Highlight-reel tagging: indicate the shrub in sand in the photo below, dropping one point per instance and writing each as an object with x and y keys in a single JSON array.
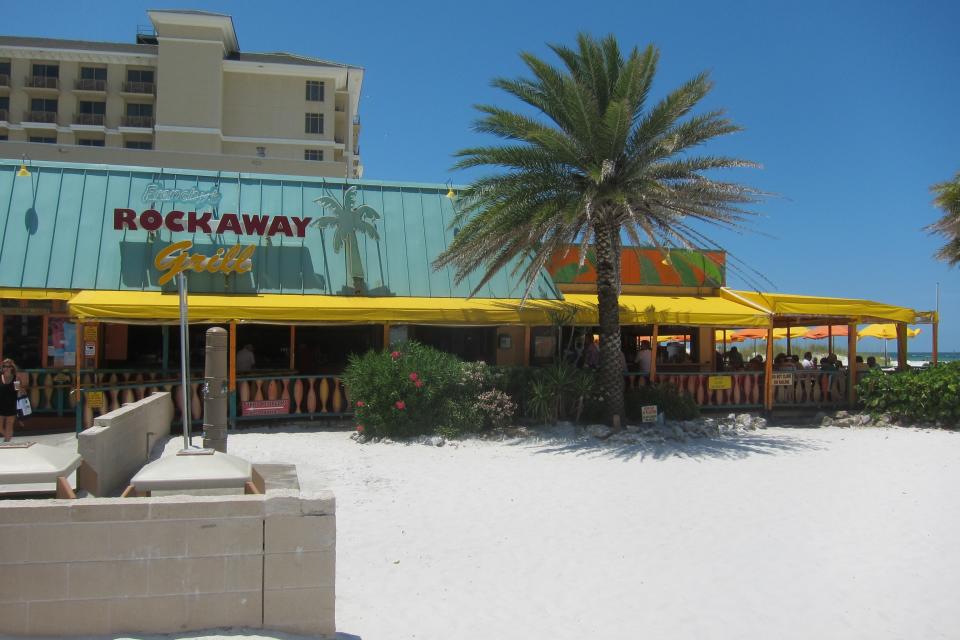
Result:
[
  {"x": 414, "y": 390},
  {"x": 926, "y": 395}
]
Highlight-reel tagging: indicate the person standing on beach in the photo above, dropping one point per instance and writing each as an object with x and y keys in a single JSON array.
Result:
[
  {"x": 9, "y": 390},
  {"x": 644, "y": 356}
]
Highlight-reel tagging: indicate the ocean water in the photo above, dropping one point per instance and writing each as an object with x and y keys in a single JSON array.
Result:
[{"x": 916, "y": 357}]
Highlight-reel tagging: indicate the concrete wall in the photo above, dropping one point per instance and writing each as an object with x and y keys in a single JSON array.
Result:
[
  {"x": 118, "y": 444},
  {"x": 168, "y": 564}
]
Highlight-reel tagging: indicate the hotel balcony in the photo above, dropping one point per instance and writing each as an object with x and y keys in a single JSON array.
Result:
[
  {"x": 89, "y": 119},
  {"x": 41, "y": 84},
  {"x": 139, "y": 88},
  {"x": 91, "y": 86},
  {"x": 40, "y": 117},
  {"x": 137, "y": 122}
]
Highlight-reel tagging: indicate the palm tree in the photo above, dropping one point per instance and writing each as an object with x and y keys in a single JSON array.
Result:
[
  {"x": 595, "y": 165},
  {"x": 948, "y": 199},
  {"x": 348, "y": 219}
]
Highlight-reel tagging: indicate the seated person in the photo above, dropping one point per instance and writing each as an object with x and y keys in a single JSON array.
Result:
[
  {"x": 861, "y": 365},
  {"x": 872, "y": 363},
  {"x": 735, "y": 359},
  {"x": 808, "y": 361}
]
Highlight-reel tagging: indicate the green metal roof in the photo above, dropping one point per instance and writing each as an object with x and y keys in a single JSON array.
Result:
[{"x": 58, "y": 232}]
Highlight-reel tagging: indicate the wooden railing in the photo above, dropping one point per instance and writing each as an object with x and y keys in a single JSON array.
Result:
[
  {"x": 306, "y": 395},
  {"x": 805, "y": 389}
]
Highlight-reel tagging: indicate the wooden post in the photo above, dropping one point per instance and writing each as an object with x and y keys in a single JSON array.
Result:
[
  {"x": 233, "y": 356},
  {"x": 386, "y": 335},
  {"x": 653, "y": 357},
  {"x": 852, "y": 362},
  {"x": 293, "y": 347},
  {"x": 789, "y": 352},
  {"x": 935, "y": 326},
  {"x": 829, "y": 339},
  {"x": 526, "y": 346},
  {"x": 45, "y": 339},
  {"x": 902, "y": 346},
  {"x": 78, "y": 361},
  {"x": 768, "y": 373}
]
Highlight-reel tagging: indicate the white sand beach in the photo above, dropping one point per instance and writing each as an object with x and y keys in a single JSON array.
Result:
[
  {"x": 777, "y": 533},
  {"x": 788, "y": 533}
]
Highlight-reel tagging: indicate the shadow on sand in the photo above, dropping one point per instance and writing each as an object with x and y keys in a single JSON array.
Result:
[{"x": 731, "y": 447}]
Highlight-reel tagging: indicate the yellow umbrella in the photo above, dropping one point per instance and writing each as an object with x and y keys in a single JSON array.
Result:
[{"x": 884, "y": 331}]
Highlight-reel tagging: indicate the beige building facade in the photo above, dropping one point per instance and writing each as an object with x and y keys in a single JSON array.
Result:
[{"x": 181, "y": 96}]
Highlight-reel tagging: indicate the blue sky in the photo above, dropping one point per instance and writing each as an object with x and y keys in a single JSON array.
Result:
[{"x": 851, "y": 108}]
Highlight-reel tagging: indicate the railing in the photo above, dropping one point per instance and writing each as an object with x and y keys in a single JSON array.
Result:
[
  {"x": 96, "y": 119},
  {"x": 41, "y": 82},
  {"x": 305, "y": 395},
  {"x": 139, "y": 87},
  {"x": 800, "y": 389},
  {"x": 40, "y": 116},
  {"x": 144, "y": 122},
  {"x": 4, "y": 79},
  {"x": 89, "y": 84}
]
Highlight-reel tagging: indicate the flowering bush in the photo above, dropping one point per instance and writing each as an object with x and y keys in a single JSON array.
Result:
[
  {"x": 496, "y": 408},
  {"x": 416, "y": 390}
]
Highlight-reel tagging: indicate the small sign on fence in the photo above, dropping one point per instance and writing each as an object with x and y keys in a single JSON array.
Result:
[
  {"x": 648, "y": 413},
  {"x": 265, "y": 407},
  {"x": 94, "y": 399},
  {"x": 720, "y": 382},
  {"x": 782, "y": 379}
]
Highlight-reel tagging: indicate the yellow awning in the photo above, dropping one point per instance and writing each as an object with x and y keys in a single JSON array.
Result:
[
  {"x": 36, "y": 294},
  {"x": 786, "y": 304},
  {"x": 164, "y": 307},
  {"x": 711, "y": 311}
]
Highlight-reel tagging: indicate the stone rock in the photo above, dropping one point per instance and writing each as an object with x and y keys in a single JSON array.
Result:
[
  {"x": 632, "y": 428},
  {"x": 759, "y": 423},
  {"x": 437, "y": 441},
  {"x": 827, "y": 421},
  {"x": 600, "y": 431}
]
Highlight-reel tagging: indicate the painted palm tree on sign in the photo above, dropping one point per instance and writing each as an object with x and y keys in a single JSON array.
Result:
[
  {"x": 347, "y": 220},
  {"x": 948, "y": 199},
  {"x": 596, "y": 163}
]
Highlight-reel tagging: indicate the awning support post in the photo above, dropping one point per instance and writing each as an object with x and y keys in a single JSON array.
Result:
[
  {"x": 526, "y": 345},
  {"x": 232, "y": 374},
  {"x": 656, "y": 347},
  {"x": 386, "y": 335},
  {"x": 768, "y": 373},
  {"x": 934, "y": 328},
  {"x": 902, "y": 346},
  {"x": 852, "y": 362}
]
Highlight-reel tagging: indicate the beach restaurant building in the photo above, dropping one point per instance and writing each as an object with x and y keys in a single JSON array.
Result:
[{"x": 309, "y": 270}]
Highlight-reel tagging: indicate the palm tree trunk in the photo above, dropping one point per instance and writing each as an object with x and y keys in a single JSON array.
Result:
[{"x": 608, "y": 294}]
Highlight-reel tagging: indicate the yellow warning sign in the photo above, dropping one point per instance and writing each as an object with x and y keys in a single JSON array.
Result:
[{"x": 94, "y": 399}]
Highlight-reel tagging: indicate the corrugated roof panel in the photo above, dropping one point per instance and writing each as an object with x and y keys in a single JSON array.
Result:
[{"x": 58, "y": 231}]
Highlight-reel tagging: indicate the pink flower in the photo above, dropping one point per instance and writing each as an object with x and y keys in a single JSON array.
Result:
[
  {"x": 361, "y": 403},
  {"x": 414, "y": 376},
  {"x": 400, "y": 404},
  {"x": 395, "y": 355},
  {"x": 359, "y": 428},
  {"x": 418, "y": 383}
]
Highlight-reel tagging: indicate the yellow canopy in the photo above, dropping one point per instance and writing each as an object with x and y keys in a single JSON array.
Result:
[
  {"x": 884, "y": 331},
  {"x": 164, "y": 307},
  {"x": 36, "y": 294},
  {"x": 787, "y": 304},
  {"x": 673, "y": 310}
]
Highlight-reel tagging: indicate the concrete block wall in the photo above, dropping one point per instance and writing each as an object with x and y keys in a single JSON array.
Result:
[
  {"x": 118, "y": 444},
  {"x": 168, "y": 564}
]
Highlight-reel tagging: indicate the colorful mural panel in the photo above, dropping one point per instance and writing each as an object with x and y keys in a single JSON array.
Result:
[{"x": 645, "y": 266}]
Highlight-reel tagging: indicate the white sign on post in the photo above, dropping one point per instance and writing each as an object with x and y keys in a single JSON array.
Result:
[{"x": 649, "y": 413}]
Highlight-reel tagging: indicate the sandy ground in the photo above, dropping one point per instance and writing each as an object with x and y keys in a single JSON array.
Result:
[{"x": 785, "y": 533}]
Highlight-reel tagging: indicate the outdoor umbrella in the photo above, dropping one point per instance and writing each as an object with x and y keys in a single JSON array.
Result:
[{"x": 884, "y": 332}]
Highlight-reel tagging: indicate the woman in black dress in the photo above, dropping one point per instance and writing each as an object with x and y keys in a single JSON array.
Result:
[{"x": 8, "y": 397}]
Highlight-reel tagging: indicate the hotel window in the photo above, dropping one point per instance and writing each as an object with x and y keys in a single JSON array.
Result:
[
  {"x": 46, "y": 70},
  {"x": 138, "y": 144},
  {"x": 4, "y": 108},
  {"x": 3, "y": 137},
  {"x": 4, "y": 74},
  {"x": 92, "y": 79},
  {"x": 313, "y": 154},
  {"x": 314, "y": 91},
  {"x": 135, "y": 110},
  {"x": 92, "y": 113},
  {"x": 43, "y": 104},
  {"x": 314, "y": 123},
  {"x": 90, "y": 142},
  {"x": 43, "y": 140},
  {"x": 140, "y": 75}
]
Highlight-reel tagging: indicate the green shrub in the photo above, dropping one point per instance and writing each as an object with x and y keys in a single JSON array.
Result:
[
  {"x": 673, "y": 403},
  {"x": 417, "y": 390},
  {"x": 559, "y": 392},
  {"x": 925, "y": 395},
  {"x": 412, "y": 390}
]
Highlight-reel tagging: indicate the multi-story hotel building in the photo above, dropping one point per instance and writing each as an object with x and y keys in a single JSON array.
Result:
[{"x": 183, "y": 95}]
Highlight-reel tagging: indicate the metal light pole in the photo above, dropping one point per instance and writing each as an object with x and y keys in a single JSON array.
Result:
[{"x": 184, "y": 359}]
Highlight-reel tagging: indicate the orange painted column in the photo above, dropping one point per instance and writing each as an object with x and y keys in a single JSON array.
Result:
[
  {"x": 852, "y": 362},
  {"x": 386, "y": 335},
  {"x": 768, "y": 373},
  {"x": 653, "y": 358}
]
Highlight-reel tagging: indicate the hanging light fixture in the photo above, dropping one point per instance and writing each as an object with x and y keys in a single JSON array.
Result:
[
  {"x": 23, "y": 172},
  {"x": 450, "y": 192}
]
